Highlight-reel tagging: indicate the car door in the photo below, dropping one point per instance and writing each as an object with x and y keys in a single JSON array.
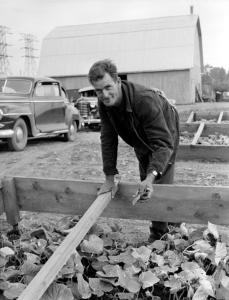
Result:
[{"x": 49, "y": 107}]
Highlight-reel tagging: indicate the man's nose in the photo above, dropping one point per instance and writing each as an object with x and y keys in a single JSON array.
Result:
[{"x": 105, "y": 93}]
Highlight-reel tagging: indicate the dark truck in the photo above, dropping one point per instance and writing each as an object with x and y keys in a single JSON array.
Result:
[{"x": 87, "y": 104}]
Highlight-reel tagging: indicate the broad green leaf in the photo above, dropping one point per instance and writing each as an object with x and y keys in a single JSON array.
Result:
[
  {"x": 180, "y": 244},
  {"x": 148, "y": 279},
  {"x": 158, "y": 245},
  {"x": 172, "y": 258},
  {"x": 158, "y": 259},
  {"x": 203, "y": 291},
  {"x": 99, "y": 287},
  {"x": 83, "y": 287},
  {"x": 94, "y": 245},
  {"x": 184, "y": 230},
  {"x": 220, "y": 252},
  {"x": 6, "y": 251},
  {"x": 14, "y": 290},
  {"x": 191, "y": 271},
  {"x": 74, "y": 262},
  {"x": 174, "y": 284},
  {"x": 98, "y": 265},
  {"x": 125, "y": 257},
  {"x": 142, "y": 253},
  {"x": 225, "y": 282},
  {"x": 213, "y": 230},
  {"x": 29, "y": 268},
  {"x": 109, "y": 271},
  {"x": 124, "y": 296},
  {"x": 32, "y": 258},
  {"x": 203, "y": 246},
  {"x": 57, "y": 291},
  {"x": 164, "y": 270},
  {"x": 130, "y": 283},
  {"x": 132, "y": 269},
  {"x": 3, "y": 261}
]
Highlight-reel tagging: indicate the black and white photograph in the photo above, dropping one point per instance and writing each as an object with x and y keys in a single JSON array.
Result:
[{"x": 114, "y": 149}]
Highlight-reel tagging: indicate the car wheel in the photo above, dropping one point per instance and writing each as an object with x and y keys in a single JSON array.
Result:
[
  {"x": 71, "y": 134},
  {"x": 20, "y": 137}
]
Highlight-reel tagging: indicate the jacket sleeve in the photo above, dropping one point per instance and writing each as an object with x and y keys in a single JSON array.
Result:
[
  {"x": 109, "y": 143},
  {"x": 156, "y": 132}
]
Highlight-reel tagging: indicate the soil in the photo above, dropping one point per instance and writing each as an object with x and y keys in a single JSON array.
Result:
[{"x": 81, "y": 159}]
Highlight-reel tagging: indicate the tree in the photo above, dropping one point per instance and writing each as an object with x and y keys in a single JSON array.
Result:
[{"x": 216, "y": 76}]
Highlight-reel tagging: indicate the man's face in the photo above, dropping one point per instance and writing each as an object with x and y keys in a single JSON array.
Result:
[{"x": 108, "y": 91}]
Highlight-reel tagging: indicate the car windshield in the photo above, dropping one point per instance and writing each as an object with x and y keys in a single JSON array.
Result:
[{"x": 15, "y": 86}]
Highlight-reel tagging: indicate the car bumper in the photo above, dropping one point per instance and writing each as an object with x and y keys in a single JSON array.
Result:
[
  {"x": 6, "y": 133},
  {"x": 91, "y": 121}
]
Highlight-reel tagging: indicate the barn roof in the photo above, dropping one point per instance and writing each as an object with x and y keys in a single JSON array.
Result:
[{"x": 155, "y": 44}]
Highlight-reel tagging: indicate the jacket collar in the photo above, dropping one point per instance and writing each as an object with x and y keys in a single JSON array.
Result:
[{"x": 127, "y": 95}]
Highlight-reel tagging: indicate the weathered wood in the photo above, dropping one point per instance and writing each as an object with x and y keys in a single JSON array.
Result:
[
  {"x": 220, "y": 117},
  {"x": 203, "y": 152},
  {"x": 47, "y": 274},
  {"x": 209, "y": 129},
  {"x": 193, "y": 204},
  {"x": 198, "y": 133},
  {"x": 10, "y": 200},
  {"x": 207, "y": 116},
  {"x": 190, "y": 117}
]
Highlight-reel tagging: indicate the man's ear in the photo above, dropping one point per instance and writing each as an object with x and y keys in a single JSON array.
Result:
[{"x": 119, "y": 80}]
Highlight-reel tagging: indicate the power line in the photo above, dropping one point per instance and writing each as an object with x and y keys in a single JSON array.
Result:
[
  {"x": 4, "y": 57},
  {"x": 30, "y": 64}
]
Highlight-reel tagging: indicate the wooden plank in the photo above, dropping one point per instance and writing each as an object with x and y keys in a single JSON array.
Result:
[
  {"x": 47, "y": 274},
  {"x": 209, "y": 129},
  {"x": 198, "y": 133},
  {"x": 191, "y": 117},
  {"x": 193, "y": 204},
  {"x": 203, "y": 153},
  {"x": 10, "y": 200},
  {"x": 220, "y": 117}
]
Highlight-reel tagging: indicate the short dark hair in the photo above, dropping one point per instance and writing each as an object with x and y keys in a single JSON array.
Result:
[{"x": 99, "y": 68}]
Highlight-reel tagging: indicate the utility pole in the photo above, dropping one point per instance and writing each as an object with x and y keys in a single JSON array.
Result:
[
  {"x": 4, "y": 57},
  {"x": 30, "y": 65}
]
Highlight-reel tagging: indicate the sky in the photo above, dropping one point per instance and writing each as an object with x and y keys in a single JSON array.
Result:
[{"x": 39, "y": 17}]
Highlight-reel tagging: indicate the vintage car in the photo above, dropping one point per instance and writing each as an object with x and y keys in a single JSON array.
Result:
[
  {"x": 87, "y": 104},
  {"x": 35, "y": 107}
]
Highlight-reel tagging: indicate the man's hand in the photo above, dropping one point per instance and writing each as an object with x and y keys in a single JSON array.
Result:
[
  {"x": 107, "y": 186},
  {"x": 145, "y": 189}
]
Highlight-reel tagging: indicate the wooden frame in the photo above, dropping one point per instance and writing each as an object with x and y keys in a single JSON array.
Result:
[
  {"x": 195, "y": 151},
  {"x": 193, "y": 204},
  {"x": 175, "y": 203}
]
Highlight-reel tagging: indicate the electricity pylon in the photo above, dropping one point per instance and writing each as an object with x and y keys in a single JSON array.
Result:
[
  {"x": 30, "y": 65},
  {"x": 4, "y": 57}
]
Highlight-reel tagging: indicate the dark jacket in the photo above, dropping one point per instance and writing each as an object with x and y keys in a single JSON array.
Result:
[{"x": 148, "y": 122}]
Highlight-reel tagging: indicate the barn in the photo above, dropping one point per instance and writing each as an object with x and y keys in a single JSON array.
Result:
[{"x": 164, "y": 53}]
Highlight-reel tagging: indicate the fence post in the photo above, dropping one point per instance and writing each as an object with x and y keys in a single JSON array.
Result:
[{"x": 10, "y": 200}]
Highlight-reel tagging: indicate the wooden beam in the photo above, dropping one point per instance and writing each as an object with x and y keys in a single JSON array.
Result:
[
  {"x": 10, "y": 200},
  {"x": 203, "y": 153},
  {"x": 198, "y": 133},
  {"x": 192, "y": 204},
  {"x": 190, "y": 117},
  {"x": 209, "y": 128},
  {"x": 220, "y": 117},
  {"x": 47, "y": 274}
]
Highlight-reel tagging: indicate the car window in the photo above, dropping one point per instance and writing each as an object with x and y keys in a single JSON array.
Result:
[
  {"x": 16, "y": 86},
  {"x": 2, "y": 81},
  {"x": 44, "y": 89}
]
